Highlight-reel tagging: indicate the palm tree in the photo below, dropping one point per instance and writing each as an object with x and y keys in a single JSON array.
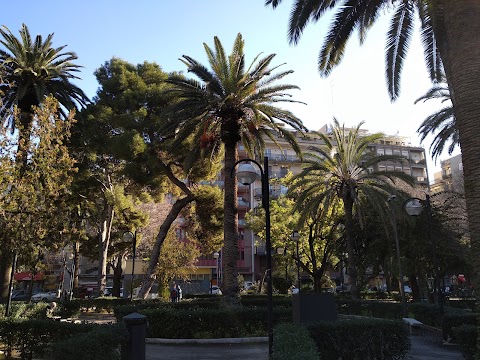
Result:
[
  {"x": 442, "y": 122},
  {"x": 450, "y": 32},
  {"x": 30, "y": 71},
  {"x": 230, "y": 104},
  {"x": 341, "y": 171}
]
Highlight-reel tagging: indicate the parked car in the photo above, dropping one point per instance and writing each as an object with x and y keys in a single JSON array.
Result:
[
  {"x": 151, "y": 295},
  {"x": 109, "y": 291},
  {"x": 45, "y": 296},
  {"x": 21, "y": 295},
  {"x": 215, "y": 290}
]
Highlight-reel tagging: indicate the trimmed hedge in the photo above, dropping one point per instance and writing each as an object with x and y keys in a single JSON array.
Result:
[
  {"x": 103, "y": 304},
  {"x": 466, "y": 336},
  {"x": 279, "y": 301},
  {"x": 452, "y": 321},
  {"x": 293, "y": 342},
  {"x": 462, "y": 303},
  {"x": 20, "y": 310},
  {"x": 103, "y": 343},
  {"x": 32, "y": 337},
  {"x": 428, "y": 314},
  {"x": 367, "y": 339},
  {"x": 210, "y": 323},
  {"x": 372, "y": 308}
]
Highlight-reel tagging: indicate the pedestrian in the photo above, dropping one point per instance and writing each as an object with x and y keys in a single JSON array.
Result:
[
  {"x": 179, "y": 293},
  {"x": 173, "y": 293}
]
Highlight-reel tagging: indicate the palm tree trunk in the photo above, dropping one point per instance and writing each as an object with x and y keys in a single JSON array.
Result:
[
  {"x": 230, "y": 228},
  {"x": 463, "y": 53},
  {"x": 352, "y": 261},
  {"x": 462, "y": 27}
]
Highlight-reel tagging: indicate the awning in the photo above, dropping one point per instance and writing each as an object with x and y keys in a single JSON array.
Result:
[{"x": 27, "y": 276}]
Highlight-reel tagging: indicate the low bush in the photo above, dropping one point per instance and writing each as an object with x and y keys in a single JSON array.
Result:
[
  {"x": 32, "y": 337},
  {"x": 103, "y": 304},
  {"x": 466, "y": 336},
  {"x": 103, "y": 343},
  {"x": 210, "y": 323},
  {"x": 452, "y": 321},
  {"x": 279, "y": 301},
  {"x": 20, "y": 310},
  {"x": 428, "y": 314},
  {"x": 461, "y": 304},
  {"x": 368, "y": 339},
  {"x": 293, "y": 342}
]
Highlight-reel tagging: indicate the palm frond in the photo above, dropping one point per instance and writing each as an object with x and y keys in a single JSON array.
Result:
[{"x": 398, "y": 40}]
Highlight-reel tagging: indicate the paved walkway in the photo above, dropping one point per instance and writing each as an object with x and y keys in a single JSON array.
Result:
[{"x": 425, "y": 346}]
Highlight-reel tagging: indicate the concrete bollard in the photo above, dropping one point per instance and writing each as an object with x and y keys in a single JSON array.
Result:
[{"x": 137, "y": 329}]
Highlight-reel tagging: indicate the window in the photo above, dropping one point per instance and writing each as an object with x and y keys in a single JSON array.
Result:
[
  {"x": 380, "y": 151},
  {"x": 388, "y": 151},
  {"x": 405, "y": 153}
]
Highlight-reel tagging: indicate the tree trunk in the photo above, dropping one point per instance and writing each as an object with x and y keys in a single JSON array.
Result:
[
  {"x": 76, "y": 263},
  {"x": 162, "y": 234},
  {"x": 352, "y": 261},
  {"x": 117, "y": 276},
  {"x": 230, "y": 229},
  {"x": 104, "y": 241},
  {"x": 462, "y": 28},
  {"x": 5, "y": 271}
]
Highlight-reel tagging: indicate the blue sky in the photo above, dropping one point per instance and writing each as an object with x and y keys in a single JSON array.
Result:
[{"x": 162, "y": 31}]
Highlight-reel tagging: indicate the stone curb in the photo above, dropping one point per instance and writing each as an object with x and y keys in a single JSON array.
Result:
[{"x": 208, "y": 341}]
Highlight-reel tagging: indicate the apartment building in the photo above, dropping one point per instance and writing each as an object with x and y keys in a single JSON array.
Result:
[{"x": 450, "y": 177}]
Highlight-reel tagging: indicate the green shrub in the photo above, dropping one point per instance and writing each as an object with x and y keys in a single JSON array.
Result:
[
  {"x": 20, "y": 310},
  {"x": 32, "y": 337},
  {"x": 293, "y": 342},
  {"x": 368, "y": 339},
  {"x": 103, "y": 343},
  {"x": 451, "y": 321},
  {"x": 466, "y": 336},
  {"x": 103, "y": 304},
  {"x": 462, "y": 304},
  {"x": 167, "y": 322},
  {"x": 350, "y": 307},
  {"x": 279, "y": 301},
  {"x": 428, "y": 314}
]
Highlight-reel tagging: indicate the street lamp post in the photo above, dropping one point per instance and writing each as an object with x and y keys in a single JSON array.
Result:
[
  {"x": 129, "y": 236},
  {"x": 414, "y": 207},
  {"x": 216, "y": 255},
  {"x": 296, "y": 237},
  {"x": 283, "y": 251},
  {"x": 246, "y": 175},
  {"x": 397, "y": 247}
]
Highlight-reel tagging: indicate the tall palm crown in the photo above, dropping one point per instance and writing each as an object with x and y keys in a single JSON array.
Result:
[
  {"x": 228, "y": 104},
  {"x": 32, "y": 70},
  {"x": 441, "y": 123},
  {"x": 360, "y": 15},
  {"x": 342, "y": 170}
]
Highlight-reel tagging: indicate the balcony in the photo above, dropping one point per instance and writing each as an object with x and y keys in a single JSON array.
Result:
[
  {"x": 278, "y": 158},
  {"x": 274, "y": 193},
  {"x": 242, "y": 203}
]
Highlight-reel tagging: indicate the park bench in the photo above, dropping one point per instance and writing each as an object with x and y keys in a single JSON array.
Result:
[{"x": 412, "y": 323}]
